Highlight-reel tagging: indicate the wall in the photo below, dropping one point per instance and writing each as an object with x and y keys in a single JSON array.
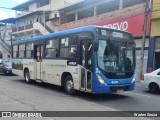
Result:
[
  {"x": 155, "y": 33},
  {"x": 7, "y": 39},
  {"x": 57, "y": 4},
  {"x": 126, "y": 12},
  {"x": 155, "y": 28}
]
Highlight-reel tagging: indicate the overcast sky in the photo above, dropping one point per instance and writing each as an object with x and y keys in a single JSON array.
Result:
[{"x": 4, "y": 13}]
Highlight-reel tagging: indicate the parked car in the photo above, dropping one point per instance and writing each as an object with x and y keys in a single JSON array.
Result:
[
  {"x": 152, "y": 81},
  {"x": 7, "y": 68},
  {"x": 1, "y": 65}
]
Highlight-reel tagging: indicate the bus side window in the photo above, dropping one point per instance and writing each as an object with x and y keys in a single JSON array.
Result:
[
  {"x": 36, "y": 52},
  {"x": 52, "y": 47},
  {"x": 15, "y": 51},
  {"x": 68, "y": 47},
  {"x": 32, "y": 54},
  {"x": 29, "y": 50},
  {"x": 21, "y": 51},
  {"x": 73, "y": 46}
]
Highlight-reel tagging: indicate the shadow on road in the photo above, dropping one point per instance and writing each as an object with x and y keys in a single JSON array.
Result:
[
  {"x": 45, "y": 86},
  {"x": 80, "y": 95},
  {"x": 8, "y": 75},
  {"x": 101, "y": 97},
  {"x": 147, "y": 92}
]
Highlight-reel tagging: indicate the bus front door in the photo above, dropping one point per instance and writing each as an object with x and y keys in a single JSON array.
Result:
[
  {"x": 39, "y": 54},
  {"x": 86, "y": 62}
]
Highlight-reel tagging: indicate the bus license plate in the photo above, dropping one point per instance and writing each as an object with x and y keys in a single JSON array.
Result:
[{"x": 119, "y": 91}]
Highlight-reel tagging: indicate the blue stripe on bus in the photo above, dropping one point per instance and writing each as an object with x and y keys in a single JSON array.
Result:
[
  {"x": 62, "y": 33},
  {"x": 42, "y": 59},
  {"x": 23, "y": 58}
]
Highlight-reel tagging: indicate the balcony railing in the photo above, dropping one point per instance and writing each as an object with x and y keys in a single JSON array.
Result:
[
  {"x": 26, "y": 27},
  {"x": 20, "y": 28},
  {"x": 30, "y": 26}
]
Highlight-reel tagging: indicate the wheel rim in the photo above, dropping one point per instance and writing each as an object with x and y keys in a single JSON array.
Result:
[
  {"x": 27, "y": 76},
  {"x": 153, "y": 88},
  {"x": 69, "y": 85}
]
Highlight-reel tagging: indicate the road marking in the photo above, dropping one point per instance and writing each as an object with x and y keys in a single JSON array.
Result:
[{"x": 138, "y": 94}]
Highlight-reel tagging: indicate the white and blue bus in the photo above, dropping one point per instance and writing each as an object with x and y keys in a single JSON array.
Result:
[{"x": 92, "y": 59}]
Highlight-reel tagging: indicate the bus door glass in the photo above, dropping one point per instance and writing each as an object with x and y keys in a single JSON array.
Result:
[
  {"x": 86, "y": 60},
  {"x": 39, "y": 54}
]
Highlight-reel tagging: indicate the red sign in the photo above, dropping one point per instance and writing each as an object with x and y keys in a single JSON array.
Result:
[{"x": 133, "y": 24}]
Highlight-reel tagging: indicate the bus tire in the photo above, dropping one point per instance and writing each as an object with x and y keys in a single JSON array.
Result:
[
  {"x": 69, "y": 85},
  {"x": 27, "y": 77}
]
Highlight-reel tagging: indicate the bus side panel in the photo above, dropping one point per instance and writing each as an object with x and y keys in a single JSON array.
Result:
[
  {"x": 29, "y": 64},
  {"x": 17, "y": 67},
  {"x": 17, "y": 72},
  {"x": 53, "y": 70}
]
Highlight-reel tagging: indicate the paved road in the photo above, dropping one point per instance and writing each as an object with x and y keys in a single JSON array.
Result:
[
  {"x": 139, "y": 99},
  {"x": 48, "y": 97}
]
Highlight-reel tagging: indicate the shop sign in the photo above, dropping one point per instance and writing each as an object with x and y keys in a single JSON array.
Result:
[{"x": 133, "y": 24}]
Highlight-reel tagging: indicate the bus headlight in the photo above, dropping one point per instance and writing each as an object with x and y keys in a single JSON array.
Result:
[
  {"x": 101, "y": 80},
  {"x": 133, "y": 80}
]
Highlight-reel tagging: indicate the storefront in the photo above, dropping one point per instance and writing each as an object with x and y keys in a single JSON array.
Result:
[
  {"x": 154, "y": 45},
  {"x": 133, "y": 24},
  {"x": 157, "y": 53}
]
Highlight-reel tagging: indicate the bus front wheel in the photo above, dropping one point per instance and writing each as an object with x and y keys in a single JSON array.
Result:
[
  {"x": 27, "y": 77},
  {"x": 69, "y": 85}
]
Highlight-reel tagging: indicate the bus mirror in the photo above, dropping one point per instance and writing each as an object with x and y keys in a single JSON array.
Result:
[{"x": 96, "y": 45}]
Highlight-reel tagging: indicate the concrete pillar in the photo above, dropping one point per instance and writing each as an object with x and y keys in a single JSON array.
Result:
[
  {"x": 76, "y": 16},
  {"x": 120, "y": 4},
  {"x": 95, "y": 10}
]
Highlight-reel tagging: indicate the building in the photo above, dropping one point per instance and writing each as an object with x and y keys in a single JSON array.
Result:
[
  {"x": 154, "y": 46},
  {"x": 127, "y": 15},
  {"x": 33, "y": 18},
  {"x": 6, "y": 26}
]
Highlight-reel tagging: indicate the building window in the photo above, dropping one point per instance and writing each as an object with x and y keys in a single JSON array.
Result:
[
  {"x": 22, "y": 51},
  {"x": 70, "y": 17},
  {"x": 43, "y": 3},
  {"x": 86, "y": 13},
  {"x": 52, "y": 48},
  {"x": 29, "y": 50},
  {"x": 68, "y": 47},
  {"x": 47, "y": 18},
  {"x": 129, "y": 3},
  {"x": 108, "y": 7}
]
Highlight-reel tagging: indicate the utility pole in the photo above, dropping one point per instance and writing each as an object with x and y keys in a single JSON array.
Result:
[{"x": 147, "y": 9}]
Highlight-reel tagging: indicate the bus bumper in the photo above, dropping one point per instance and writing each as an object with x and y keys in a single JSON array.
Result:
[{"x": 102, "y": 89}]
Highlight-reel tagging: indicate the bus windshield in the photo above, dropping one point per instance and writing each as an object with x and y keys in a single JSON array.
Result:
[{"x": 116, "y": 56}]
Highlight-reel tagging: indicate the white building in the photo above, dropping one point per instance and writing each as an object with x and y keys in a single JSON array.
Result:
[
  {"x": 35, "y": 18},
  {"x": 5, "y": 38}
]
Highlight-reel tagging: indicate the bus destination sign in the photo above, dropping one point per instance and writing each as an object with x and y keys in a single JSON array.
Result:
[{"x": 115, "y": 34}]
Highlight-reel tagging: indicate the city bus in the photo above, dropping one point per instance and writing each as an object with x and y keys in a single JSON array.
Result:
[{"x": 92, "y": 59}]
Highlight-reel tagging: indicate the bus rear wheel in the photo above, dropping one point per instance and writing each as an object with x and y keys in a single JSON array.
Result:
[
  {"x": 69, "y": 85},
  {"x": 27, "y": 77}
]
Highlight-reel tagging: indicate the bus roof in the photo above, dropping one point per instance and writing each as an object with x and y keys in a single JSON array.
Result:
[{"x": 61, "y": 33}]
